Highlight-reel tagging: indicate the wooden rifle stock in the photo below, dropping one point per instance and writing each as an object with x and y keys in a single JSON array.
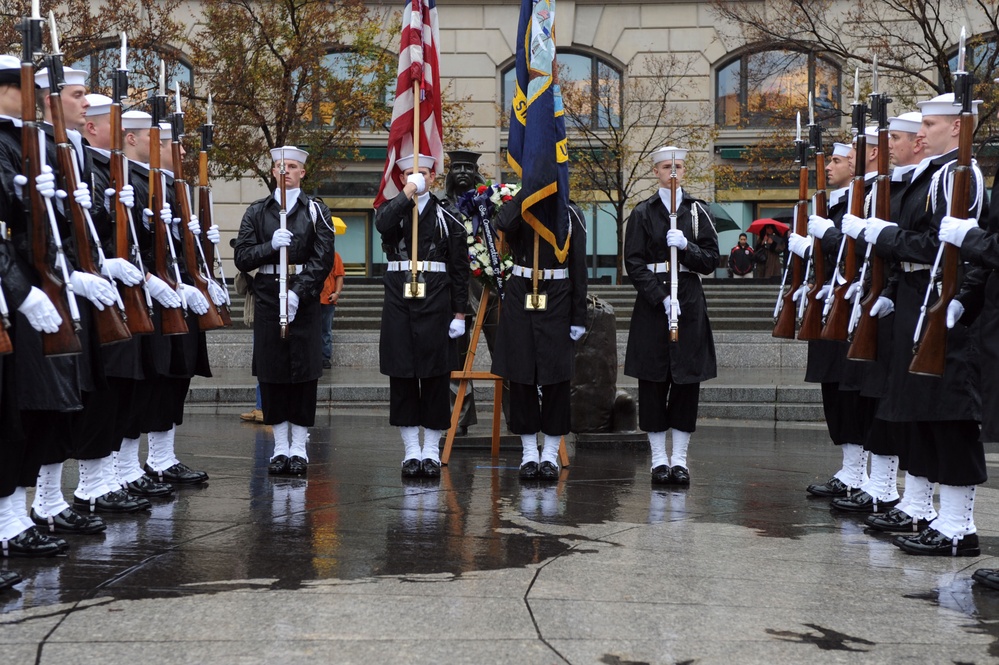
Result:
[
  {"x": 786, "y": 324},
  {"x": 137, "y": 313},
  {"x": 930, "y": 355},
  {"x": 172, "y": 322},
  {"x": 811, "y": 320},
  {"x": 838, "y": 319},
  {"x": 211, "y": 319},
  {"x": 110, "y": 324},
  {"x": 65, "y": 341},
  {"x": 5, "y": 344},
  {"x": 206, "y": 215}
]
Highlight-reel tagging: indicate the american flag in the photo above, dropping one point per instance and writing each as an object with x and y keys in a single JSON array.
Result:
[{"x": 418, "y": 61}]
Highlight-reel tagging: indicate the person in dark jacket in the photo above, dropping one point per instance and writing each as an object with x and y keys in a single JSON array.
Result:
[
  {"x": 741, "y": 259},
  {"x": 418, "y": 343},
  {"x": 288, "y": 370},
  {"x": 670, "y": 373}
]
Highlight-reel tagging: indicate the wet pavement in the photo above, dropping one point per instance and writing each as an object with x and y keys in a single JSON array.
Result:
[{"x": 353, "y": 565}]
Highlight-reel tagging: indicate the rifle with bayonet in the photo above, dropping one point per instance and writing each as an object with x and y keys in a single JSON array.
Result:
[
  {"x": 110, "y": 322},
  {"x": 41, "y": 220},
  {"x": 863, "y": 326},
  {"x": 785, "y": 319},
  {"x": 930, "y": 353},
  {"x": 674, "y": 263},
  {"x": 811, "y": 320},
  {"x": 173, "y": 322},
  {"x": 206, "y": 211},
  {"x": 211, "y": 319},
  {"x": 137, "y": 299}
]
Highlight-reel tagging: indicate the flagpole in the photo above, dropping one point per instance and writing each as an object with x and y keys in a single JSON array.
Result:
[{"x": 413, "y": 248}]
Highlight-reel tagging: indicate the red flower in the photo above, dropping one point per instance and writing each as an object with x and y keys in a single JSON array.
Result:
[
  {"x": 506, "y": 198},
  {"x": 477, "y": 272},
  {"x": 480, "y": 189}
]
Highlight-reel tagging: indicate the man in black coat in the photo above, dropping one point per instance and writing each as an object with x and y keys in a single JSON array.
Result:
[
  {"x": 941, "y": 415},
  {"x": 535, "y": 348},
  {"x": 417, "y": 346},
  {"x": 287, "y": 369},
  {"x": 670, "y": 373}
]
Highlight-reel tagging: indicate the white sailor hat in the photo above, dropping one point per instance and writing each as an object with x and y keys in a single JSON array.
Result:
[
  {"x": 10, "y": 70},
  {"x": 99, "y": 104},
  {"x": 944, "y": 105},
  {"x": 290, "y": 153},
  {"x": 841, "y": 149},
  {"x": 136, "y": 120},
  {"x": 871, "y": 132},
  {"x": 406, "y": 162},
  {"x": 907, "y": 122},
  {"x": 166, "y": 131},
  {"x": 71, "y": 76},
  {"x": 668, "y": 152}
]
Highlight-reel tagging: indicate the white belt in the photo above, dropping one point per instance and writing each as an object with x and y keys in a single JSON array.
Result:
[
  {"x": 275, "y": 269},
  {"x": 664, "y": 267},
  {"x": 915, "y": 267},
  {"x": 545, "y": 273},
  {"x": 421, "y": 266}
]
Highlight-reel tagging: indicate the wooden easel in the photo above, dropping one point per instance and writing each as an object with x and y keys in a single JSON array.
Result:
[{"x": 466, "y": 374}]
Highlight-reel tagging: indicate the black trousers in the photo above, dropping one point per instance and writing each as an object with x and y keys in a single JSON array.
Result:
[
  {"x": 289, "y": 402},
  {"x": 551, "y": 414},
  {"x": 420, "y": 402},
  {"x": 664, "y": 405},
  {"x": 102, "y": 424},
  {"x": 158, "y": 405},
  {"x": 885, "y": 438},
  {"x": 947, "y": 452},
  {"x": 49, "y": 435},
  {"x": 849, "y": 414}
]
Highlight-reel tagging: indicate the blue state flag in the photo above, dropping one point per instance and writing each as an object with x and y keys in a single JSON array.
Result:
[{"x": 538, "y": 150}]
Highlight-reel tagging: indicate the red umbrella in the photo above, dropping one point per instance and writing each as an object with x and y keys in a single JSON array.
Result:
[{"x": 757, "y": 226}]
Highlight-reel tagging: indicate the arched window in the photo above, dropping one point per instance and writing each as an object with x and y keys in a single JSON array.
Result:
[
  {"x": 597, "y": 81},
  {"x": 758, "y": 88},
  {"x": 143, "y": 65}
]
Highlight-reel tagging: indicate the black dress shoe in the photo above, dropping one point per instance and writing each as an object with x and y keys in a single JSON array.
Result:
[
  {"x": 431, "y": 468},
  {"x": 70, "y": 521},
  {"x": 297, "y": 466},
  {"x": 987, "y": 577},
  {"x": 861, "y": 502},
  {"x": 32, "y": 543},
  {"x": 661, "y": 475},
  {"x": 831, "y": 488},
  {"x": 895, "y": 521},
  {"x": 528, "y": 471},
  {"x": 933, "y": 543},
  {"x": 178, "y": 474},
  {"x": 144, "y": 486},
  {"x": 680, "y": 474},
  {"x": 278, "y": 465},
  {"x": 411, "y": 468},
  {"x": 548, "y": 471},
  {"x": 115, "y": 501},
  {"x": 8, "y": 578}
]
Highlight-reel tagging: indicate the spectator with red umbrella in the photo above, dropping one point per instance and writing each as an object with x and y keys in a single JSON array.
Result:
[{"x": 770, "y": 245}]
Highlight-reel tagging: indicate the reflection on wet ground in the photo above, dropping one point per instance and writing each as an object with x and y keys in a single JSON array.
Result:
[{"x": 744, "y": 534}]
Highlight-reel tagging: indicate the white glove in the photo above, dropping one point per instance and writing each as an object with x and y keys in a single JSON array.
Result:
[
  {"x": 798, "y": 244},
  {"x": 955, "y": 310},
  {"x": 853, "y": 226},
  {"x": 19, "y": 182},
  {"x": 127, "y": 196},
  {"x": 167, "y": 216},
  {"x": 281, "y": 238},
  {"x": 194, "y": 226},
  {"x": 824, "y": 292},
  {"x": 39, "y": 310},
  {"x": 954, "y": 229},
  {"x": 123, "y": 271},
  {"x": 175, "y": 228},
  {"x": 882, "y": 307},
  {"x": 874, "y": 228},
  {"x": 851, "y": 290},
  {"x": 162, "y": 292},
  {"x": 219, "y": 295},
  {"x": 82, "y": 195},
  {"x": 667, "y": 302},
  {"x": 95, "y": 289},
  {"x": 418, "y": 180},
  {"x": 800, "y": 293},
  {"x": 196, "y": 302},
  {"x": 147, "y": 217},
  {"x": 675, "y": 238},
  {"x": 292, "y": 305},
  {"x": 213, "y": 234},
  {"x": 818, "y": 225},
  {"x": 44, "y": 183},
  {"x": 575, "y": 332},
  {"x": 456, "y": 329}
]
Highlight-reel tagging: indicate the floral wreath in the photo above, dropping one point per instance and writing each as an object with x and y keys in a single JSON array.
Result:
[{"x": 485, "y": 260}]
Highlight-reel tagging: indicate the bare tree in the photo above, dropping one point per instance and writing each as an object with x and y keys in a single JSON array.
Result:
[{"x": 612, "y": 132}]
